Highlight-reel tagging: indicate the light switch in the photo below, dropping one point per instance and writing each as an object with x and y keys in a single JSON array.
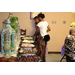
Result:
[{"x": 64, "y": 22}]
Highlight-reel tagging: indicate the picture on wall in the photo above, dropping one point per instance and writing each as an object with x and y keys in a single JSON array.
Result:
[{"x": 33, "y": 14}]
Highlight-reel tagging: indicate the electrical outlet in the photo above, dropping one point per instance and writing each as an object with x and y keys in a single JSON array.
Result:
[
  {"x": 52, "y": 22},
  {"x": 55, "y": 22},
  {"x": 64, "y": 22}
]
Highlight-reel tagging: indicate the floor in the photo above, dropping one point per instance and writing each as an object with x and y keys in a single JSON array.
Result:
[{"x": 54, "y": 58}]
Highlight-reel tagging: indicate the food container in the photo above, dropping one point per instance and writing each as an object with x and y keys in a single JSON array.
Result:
[
  {"x": 22, "y": 36},
  {"x": 28, "y": 41},
  {"x": 28, "y": 51},
  {"x": 27, "y": 38},
  {"x": 19, "y": 57},
  {"x": 27, "y": 46}
]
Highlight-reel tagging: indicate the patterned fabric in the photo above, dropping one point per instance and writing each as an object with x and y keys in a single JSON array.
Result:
[
  {"x": 43, "y": 43},
  {"x": 36, "y": 27},
  {"x": 70, "y": 45},
  {"x": 46, "y": 49}
]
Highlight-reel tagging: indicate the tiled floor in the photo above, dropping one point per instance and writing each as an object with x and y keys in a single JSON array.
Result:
[{"x": 54, "y": 58}]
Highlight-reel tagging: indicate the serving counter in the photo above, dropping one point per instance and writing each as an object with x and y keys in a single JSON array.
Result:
[{"x": 28, "y": 51}]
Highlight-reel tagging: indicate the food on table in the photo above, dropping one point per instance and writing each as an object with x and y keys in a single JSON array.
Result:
[
  {"x": 27, "y": 38},
  {"x": 25, "y": 41},
  {"x": 29, "y": 58},
  {"x": 28, "y": 51},
  {"x": 31, "y": 41},
  {"x": 27, "y": 45},
  {"x": 28, "y": 41}
]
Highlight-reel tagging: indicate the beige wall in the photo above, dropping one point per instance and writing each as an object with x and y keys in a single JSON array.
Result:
[
  {"x": 24, "y": 20},
  {"x": 73, "y": 17},
  {"x": 58, "y": 31}
]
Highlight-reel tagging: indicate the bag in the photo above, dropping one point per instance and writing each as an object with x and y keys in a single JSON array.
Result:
[{"x": 46, "y": 38}]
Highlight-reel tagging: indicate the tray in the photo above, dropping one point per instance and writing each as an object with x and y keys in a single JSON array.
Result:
[
  {"x": 28, "y": 42},
  {"x": 22, "y": 36},
  {"x": 21, "y": 50},
  {"x": 19, "y": 57},
  {"x": 26, "y": 47},
  {"x": 27, "y": 38}
]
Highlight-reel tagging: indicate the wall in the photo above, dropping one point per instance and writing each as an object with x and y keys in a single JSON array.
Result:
[
  {"x": 58, "y": 31},
  {"x": 73, "y": 17},
  {"x": 24, "y": 20}
]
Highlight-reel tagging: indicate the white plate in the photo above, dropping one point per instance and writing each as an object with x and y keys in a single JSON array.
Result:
[
  {"x": 28, "y": 37},
  {"x": 22, "y": 36}
]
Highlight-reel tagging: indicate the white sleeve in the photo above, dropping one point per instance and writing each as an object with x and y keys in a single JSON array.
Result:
[
  {"x": 47, "y": 23},
  {"x": 38, "y": 24}
]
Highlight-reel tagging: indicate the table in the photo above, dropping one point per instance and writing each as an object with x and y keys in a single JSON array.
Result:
[{"x": 13, "y": 58}]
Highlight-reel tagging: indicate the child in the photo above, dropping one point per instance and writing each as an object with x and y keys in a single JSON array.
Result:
[
  {"x": 36, "y": 21},
  {"x": 35, "y": 34},
  {"x": 44, "y": 28}
]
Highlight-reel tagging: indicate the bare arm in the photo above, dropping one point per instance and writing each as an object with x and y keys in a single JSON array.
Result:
[
  {"x": 37, "y": 31},
  {"x": 48, "y": 28},
  {"x": 35, "y": 25}
]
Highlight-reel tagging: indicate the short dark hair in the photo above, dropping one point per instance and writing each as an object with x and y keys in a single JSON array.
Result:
[
  {"x": 36, "y": 17},
  {"x": 41, "y": 15}
]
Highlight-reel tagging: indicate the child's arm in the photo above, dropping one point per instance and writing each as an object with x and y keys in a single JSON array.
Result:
[
  {"x": 38, "y": 29},
  {"x": 48, "y": 28},
  {"x": 35, "y": 24}
]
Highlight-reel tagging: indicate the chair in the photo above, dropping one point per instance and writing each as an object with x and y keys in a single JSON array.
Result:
[
  {"x": 63, "y": 53},
  {"x": 23, "y": 32},
  {"x": 63, "y": 57}
]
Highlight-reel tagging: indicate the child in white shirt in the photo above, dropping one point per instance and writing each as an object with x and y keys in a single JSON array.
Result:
[{"x": 43, "y": 27}]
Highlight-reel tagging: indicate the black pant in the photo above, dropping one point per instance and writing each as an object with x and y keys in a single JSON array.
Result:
[{"x": 44, "y": 60}]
